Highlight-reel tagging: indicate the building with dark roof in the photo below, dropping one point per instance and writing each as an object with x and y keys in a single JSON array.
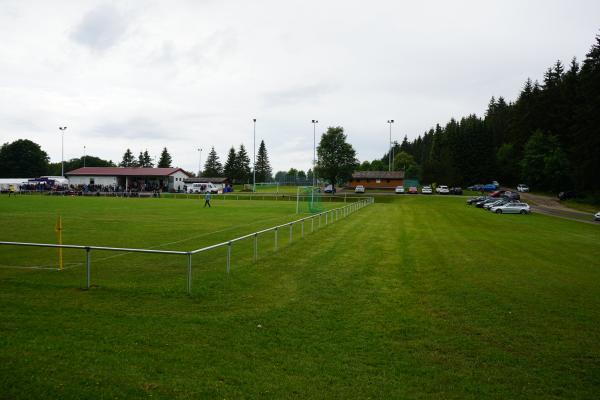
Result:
[
  {"x": 140, "y": 179},
  {"x": 377, "y": 179}
]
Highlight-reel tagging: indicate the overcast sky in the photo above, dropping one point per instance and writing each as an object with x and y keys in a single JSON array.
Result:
[{"x": 189, "y": 74}]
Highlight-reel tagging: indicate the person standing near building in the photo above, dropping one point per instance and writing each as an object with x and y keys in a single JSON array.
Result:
[{"x": 207, "y": 199}]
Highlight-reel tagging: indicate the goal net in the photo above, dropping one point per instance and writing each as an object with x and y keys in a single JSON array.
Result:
[
  {"x": 308, "y": 200},
  {"x": 270, "y": 187}
]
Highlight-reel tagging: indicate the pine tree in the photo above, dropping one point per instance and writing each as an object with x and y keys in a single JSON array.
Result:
[
  {"x": 212, "y": 167},
  {"x": 140, "y": 160},
  {"x": 165, "y": 159},
  {"x": 229, "y": 169},
  {"x": 263, "y": 167},
  {"x": 147, "y": 160},
  {"x": 128, "y": 159},
  {"x": 242, "y": 165}
]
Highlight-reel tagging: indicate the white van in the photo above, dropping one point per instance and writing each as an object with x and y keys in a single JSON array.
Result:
[{"x": 202, "y": 187}]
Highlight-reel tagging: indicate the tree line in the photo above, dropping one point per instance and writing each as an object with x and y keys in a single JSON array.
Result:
[
  {"x": 237, "y": 167},
  {"x": 549, "y": 137}
]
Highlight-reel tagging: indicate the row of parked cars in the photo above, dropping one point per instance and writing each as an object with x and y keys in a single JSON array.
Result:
[
  {"x": 501, "y": 202},
  {"x": 442, "y": 189}
]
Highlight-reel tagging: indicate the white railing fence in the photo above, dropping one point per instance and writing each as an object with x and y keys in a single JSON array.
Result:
[{"x": 307, "y": 224}]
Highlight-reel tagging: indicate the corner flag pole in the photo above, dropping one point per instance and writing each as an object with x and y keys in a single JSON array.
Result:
[{"x": 58, "y": 229}]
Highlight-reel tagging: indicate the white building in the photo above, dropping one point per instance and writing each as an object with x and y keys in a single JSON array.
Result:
[{"x": 140, "y": 179}]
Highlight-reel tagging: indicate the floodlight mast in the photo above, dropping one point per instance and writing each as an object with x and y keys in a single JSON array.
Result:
[
  {"x": 84, "y": 156},
  {"x": 199, "y": 162},
  {"x": 390, "y": 121},
  {"x": 254, "y": 158},
  {"x": 62, "y": 151},
  {"x": 314, "y": 122}
]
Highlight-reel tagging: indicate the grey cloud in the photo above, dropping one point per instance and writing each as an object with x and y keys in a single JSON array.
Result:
[
  {"x": 298, "y": 94},
  {"x": 101, "y": 28},
  {"x": 134, "y": 128}
]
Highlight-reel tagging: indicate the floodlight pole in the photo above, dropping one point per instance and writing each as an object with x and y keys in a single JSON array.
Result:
[
  {"x": 314, "y": 122},
  {"x": 390, "y": 121},
  {"x": 199, "y": 162},
  {"x": 254, "y": 158},
  {"x": 83, "y": 156},
  {"x": 62, "y": 151}
]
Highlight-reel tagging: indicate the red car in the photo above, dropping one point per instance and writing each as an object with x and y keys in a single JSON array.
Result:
[{"x": 412, "y": 190}]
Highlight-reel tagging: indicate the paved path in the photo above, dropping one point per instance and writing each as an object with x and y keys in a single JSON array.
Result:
[{"x": 552, "y": 206}]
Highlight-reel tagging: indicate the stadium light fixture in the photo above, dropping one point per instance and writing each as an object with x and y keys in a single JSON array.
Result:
[
  {"x": 62, "y": 151},
  {"x": 254, "y": 158},
  {"x": 390, "y": 121}
]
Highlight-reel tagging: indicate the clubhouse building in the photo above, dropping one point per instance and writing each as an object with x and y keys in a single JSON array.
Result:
[
  {"x": 377, "y": 179},
  {"x": 124, "y": 179}
]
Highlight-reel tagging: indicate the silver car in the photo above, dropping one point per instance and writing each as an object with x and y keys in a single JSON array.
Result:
[{"x": 512, "y": 208}]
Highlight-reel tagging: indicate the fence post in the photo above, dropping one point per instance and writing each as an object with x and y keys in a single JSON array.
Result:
[
  {"x": 189, "y": 273},
  {"x": 228, "y": 256},
  {"x": 87, "y": 268},
  {"x": 291, "y": 229},
  {"x": 276, "y": 230},
  {"x": 255, "y": 247},
  {"x": 302, "y": 229},
  {"x": 326, "y": 214},
  {"x": 312, "y": 224}
]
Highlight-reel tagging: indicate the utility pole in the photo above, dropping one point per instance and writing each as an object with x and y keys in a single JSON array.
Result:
[
  {"x": 390, "y": 121},
  {"x": 254, "y": 158},
  {"x": 62, "y": 151}
]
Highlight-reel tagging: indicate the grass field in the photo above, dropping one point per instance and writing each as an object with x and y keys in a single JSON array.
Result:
[{"x": 422, "y": 297}]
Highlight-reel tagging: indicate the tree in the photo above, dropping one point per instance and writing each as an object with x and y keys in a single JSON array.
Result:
[
  {"x": 301, "y": 177},
  {"x": 147, "y": 160},
  {"x": 74, "y": 163},
  {"x": 263, "y": 167},
  {"x": 165, "y": 159},
  {"x": 140, "y": 160},
  {"x": 544, "y": 163},
  {"x": 128, "y": 159},
  {"x": 309, "y": 175},
  {"x": 281, "y": 176},
  {"x": 242, "y": 165},
  {"x": 22, "y": 159},
  {"x": 292, "y": 175},
  {"x": 403, "y": 160},
  {"x": 230, "y": 165},
  {"x": 212, "y": 167},
  {"x": 336, "y": 157}
]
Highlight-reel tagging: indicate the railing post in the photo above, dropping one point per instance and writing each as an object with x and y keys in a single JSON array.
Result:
[
  {"x": 276, "y": 230},
  {"x": 87, "y": 268},
  {"x": 228, "y": 256},
  {"x": 326, "y": 214},
  {"x": 302, "y": 229},
  {"x": 255, "y": 247},
  {"x": 291, "y": 230},
  {"x": 312, "y": 224},
  {"x": 189, "y": 273}
]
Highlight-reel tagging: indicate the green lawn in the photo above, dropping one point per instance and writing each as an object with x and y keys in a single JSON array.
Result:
[{"x": 422, "y": 297}]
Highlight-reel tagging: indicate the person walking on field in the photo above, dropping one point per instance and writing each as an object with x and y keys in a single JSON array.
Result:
[{"x": 207, "y": 199}]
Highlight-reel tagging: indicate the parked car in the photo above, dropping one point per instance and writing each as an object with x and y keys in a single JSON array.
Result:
[
  {"x": 512, "y": 195},
  {"x": 474, "y": 200},
  {"x": 399, "y": 189},
  {"x": 498, "y": 202},
  {"x": 329, "y": 189},
  {"x": 497, "y": 193},
  {"x": 489, "y": 200},
  {"x": 359, "y": 189},
  {"x": 495, "y": 183},
  {"x": 442, "y": 189},
  {"x": 512, "y": 208},
  {"x": 202, "y": 187},
  {"x": 597, "y": 216},
  {"x": 456, "y": 190},
  {"x": 490, "y": 187},
  {"x": 521, "y": 187},
  {"x": 412, "y": 190},
  {"x": 568, "y": 195},
  {"x": 426, "y": 190}
]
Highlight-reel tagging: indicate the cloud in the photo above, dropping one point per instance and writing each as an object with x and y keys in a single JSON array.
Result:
[
  {"x": 133, "y": 128},
  {"x": 101, "y": 28},
  {"x": 299, "y": 94}
]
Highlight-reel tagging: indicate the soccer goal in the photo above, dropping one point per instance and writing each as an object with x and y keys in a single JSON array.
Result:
[{"x": 308, "y": 200}]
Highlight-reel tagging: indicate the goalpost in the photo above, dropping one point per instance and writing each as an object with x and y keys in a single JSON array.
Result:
[
  {"x": 261, "y": 185},
  {"x": 308, "y": 200}
]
